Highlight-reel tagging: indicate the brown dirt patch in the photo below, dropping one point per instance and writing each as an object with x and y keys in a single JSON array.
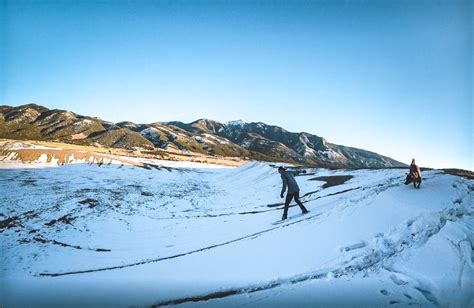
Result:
[
  {"x": 66, "y": 219},
  {"x": 333, "y": 180},
  {"x": 8, "y": 223},
  {"x": 63, "y": 153},
  {"x": 460, "y": 172}
]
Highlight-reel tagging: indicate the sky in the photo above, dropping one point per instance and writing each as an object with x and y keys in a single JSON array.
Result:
[{"x": 393, "y": 77}]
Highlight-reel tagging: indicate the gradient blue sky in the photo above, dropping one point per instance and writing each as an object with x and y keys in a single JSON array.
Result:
[{"x": 394, "y": 77}]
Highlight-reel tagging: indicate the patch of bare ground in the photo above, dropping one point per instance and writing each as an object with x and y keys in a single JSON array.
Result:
[
  {"x": 333, "y": 180},
  {"x": 65, "y": 156},
  {"x": 8, "y": 223},
  {"x": 460, "y": 172},
  {"x": 66, "y": 219},
  {"x": 65, "y": 153}
]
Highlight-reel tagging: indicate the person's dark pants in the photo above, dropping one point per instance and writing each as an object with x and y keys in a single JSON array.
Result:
[{"x": 290, "y": 197}]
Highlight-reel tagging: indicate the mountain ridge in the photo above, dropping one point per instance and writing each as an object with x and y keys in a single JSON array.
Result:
[{"x": 252, "y": 140}]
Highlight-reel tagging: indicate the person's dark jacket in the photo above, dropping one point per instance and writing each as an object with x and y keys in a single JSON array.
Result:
[{"x": 289, "y": 181}]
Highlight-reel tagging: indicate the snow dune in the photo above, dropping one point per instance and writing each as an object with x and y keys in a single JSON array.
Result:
[{"x": 114, "y": 235}]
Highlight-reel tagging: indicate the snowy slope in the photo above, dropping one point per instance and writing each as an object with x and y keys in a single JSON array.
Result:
[{"x": 119, "y": 235}]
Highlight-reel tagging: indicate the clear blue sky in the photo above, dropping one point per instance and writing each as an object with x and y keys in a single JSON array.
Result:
[{"x": 394, "y": 77}]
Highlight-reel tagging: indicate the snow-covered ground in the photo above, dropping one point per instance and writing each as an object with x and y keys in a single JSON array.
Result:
[{"x": 114, "y": 235}]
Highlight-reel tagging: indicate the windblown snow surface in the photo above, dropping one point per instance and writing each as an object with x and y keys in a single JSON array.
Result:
[{"x": 84, "y": 235}]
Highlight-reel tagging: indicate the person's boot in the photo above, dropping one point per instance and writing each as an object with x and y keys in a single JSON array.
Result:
[{"x": 284, "y": 217}]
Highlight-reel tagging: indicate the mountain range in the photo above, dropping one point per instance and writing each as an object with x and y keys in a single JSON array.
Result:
[{"x": 256, "y": 140}]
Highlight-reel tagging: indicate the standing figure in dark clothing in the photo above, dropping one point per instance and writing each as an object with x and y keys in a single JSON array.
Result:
[
  {"x": 289, "y": 181},
  {"x": 414, "y": 176}
]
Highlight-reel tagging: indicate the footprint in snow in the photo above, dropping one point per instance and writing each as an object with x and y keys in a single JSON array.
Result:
[
  {"x": 428, "y": 295},
  {"x": 384, "y": 292},
  {"x": 397, "y": 280}
]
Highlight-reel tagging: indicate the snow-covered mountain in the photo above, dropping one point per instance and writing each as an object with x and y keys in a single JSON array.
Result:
[
  {"x": 121, "y": 236},
  {"x": 257, "y": 141},
  {"x": 302, "y": 147}
]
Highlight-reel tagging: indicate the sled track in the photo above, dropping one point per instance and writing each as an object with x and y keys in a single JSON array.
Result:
[{"x": 253, "y": 235}]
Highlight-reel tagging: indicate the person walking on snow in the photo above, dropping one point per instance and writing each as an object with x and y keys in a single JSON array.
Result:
[{"x": 289, "y": 181}]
